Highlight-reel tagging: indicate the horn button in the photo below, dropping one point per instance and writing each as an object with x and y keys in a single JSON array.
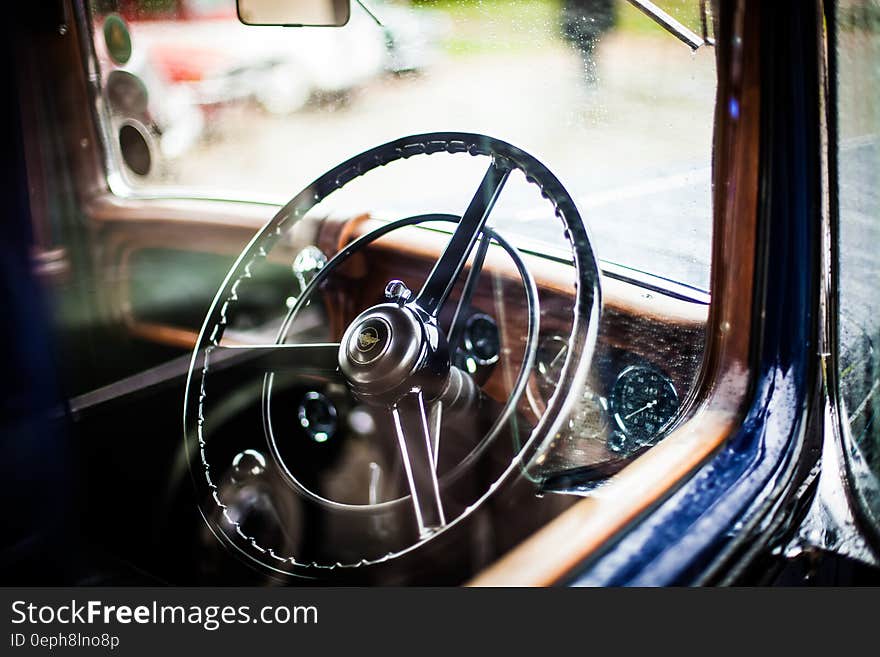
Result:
[
  {"x": 389, "y": 349},
  {"x": 369, "y": 341}
]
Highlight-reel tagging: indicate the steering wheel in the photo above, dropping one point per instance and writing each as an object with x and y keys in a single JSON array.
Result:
[{"x": 395, "y": 362}]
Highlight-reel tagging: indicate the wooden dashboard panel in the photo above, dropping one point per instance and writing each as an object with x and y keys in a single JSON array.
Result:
[
  {"x": 656, "y": 327},
  {"x": 653, "y": 326},
  {"x": 645, "y": 325}
]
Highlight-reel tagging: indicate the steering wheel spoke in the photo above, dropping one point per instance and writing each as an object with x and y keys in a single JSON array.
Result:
[
  {"x": 321, "y": 358},
  {"x": 442, "y": 278},
  {"x": 417, "y": 450},
  {"x": 459, "y": 317}
]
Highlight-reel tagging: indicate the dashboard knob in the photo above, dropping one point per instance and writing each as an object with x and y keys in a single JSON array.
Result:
[{"x": 247, "y": 464}]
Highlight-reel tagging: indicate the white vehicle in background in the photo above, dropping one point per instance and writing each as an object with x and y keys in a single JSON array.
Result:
[
  {"x": 412, "y": 37},
  {"x": 192, "y": 58},
  {"x": 204, "y": 47}
]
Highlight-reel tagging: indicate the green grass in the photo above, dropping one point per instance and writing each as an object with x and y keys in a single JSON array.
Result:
[
  {"x": 498, "y": 25},
  {"x": 484, "y": 26},
  {"x": 630, "y": 19}
]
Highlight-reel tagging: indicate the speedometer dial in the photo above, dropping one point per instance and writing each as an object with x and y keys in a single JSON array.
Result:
[{"x": 644, "y": 402}]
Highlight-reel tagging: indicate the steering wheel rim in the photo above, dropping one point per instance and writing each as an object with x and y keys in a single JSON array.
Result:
[{"x": 581, "y": 341}]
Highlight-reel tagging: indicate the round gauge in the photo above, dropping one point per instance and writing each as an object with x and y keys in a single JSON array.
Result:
[
  {"x": 481, "y": 339},
  {"x": 643, "y": 402},
  {"x": 551, "y": 358},
  {"x": 317, "y": 416}
]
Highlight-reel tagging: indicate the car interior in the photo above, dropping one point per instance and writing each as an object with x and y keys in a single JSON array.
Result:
[{"x": 410, "y": 352}]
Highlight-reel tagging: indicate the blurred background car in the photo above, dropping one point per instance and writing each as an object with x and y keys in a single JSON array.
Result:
[
  {"x": 188, "y": 45},
  {"x": 181, "y": 72},
  {"x": 412, "y": 38}
]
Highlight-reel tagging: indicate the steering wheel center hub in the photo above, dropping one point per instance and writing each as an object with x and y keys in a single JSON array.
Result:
[{"x": 384, "y": 349}]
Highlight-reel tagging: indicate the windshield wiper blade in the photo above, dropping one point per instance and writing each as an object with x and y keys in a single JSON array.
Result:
[
  {"x": 668, "y": 23},
  {"x": 370, "y": 12}
]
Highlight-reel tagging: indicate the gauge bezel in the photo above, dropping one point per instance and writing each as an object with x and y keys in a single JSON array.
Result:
[
  {"x": 615, "y": 414},
  {"x": 317, "y": 434},
  {"x": 469, "y": 345}
]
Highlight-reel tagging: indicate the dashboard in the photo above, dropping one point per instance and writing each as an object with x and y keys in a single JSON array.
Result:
[
  {"x": 646, "y": 361},
  {"x": 647, "y": 356}
]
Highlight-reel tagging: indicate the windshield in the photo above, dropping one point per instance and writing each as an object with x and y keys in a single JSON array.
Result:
[{"x": 615, "y": 106}]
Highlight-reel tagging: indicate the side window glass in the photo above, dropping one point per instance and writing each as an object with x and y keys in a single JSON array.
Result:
[{"x": 857, "y": 46}]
